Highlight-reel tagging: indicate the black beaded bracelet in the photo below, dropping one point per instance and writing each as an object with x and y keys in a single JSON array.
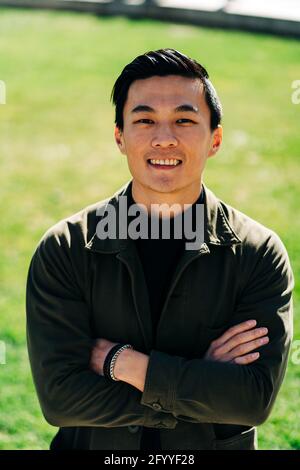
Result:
[{"x": 106, "y": 365}]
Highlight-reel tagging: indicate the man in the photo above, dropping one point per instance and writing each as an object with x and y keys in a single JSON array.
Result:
[{"x": 205, "y": 332}]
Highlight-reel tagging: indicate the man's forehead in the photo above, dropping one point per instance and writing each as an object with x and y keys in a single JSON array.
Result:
[{"x": 165, "y": 90}]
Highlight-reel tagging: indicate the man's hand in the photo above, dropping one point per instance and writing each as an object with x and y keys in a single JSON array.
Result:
[
  {"x": 236, "y": 344},
  {"x": 99, "y": 352}
]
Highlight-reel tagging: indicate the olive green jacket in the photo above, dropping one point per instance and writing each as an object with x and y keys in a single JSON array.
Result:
[{"x": 81, "y": 287}]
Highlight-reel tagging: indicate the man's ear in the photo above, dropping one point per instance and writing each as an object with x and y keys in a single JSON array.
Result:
[
  {"x": 216, "y": 141},
  {"x": 120, "y": 139}
]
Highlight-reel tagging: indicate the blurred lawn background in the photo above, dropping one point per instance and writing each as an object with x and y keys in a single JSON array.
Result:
[{"x": 57, "y": 155}]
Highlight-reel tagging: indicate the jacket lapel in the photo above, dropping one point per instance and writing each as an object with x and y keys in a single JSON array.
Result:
[{"x": 130, "y": 258}]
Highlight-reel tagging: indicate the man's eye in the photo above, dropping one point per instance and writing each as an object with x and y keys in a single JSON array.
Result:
[
  {"x": 184, "y": 120},
  {"x": 144, "y": 121}
]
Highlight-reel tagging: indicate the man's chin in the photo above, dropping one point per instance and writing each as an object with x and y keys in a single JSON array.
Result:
[
  {"x": 162, "y": 185},
  {"x": 165, "y": 187}
]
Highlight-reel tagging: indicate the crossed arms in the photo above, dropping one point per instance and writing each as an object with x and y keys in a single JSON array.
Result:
[{"x": 233, "y": 346}]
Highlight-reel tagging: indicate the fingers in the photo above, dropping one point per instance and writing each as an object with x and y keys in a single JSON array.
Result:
[
  {"x": 246, "y": 359},
  {"x": 245, "y": 348},
  {"x": 234, "y": 330},
  {"x": 237, "y": 342},
  {"x": 253, "y": 338}
]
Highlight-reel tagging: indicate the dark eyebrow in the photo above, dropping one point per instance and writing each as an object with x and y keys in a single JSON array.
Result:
[
  {"x": 185, "y": 108},
  {"x": 144, "y": 108}
]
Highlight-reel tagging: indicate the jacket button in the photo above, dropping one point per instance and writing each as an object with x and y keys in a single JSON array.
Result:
[
  {"x": 133, "y": 429},
  {"x": 156, "y": 406}
]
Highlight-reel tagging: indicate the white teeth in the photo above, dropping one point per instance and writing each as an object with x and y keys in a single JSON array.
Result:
[{"x": 172, "y": 161}]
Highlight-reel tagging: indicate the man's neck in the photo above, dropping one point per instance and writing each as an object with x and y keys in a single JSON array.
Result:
[{"x": 180, "y": 199}]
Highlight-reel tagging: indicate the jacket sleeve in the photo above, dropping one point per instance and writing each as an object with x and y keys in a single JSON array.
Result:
[
  {"x": 199, "y": 390},
  {"x": 59, "y": 340}
]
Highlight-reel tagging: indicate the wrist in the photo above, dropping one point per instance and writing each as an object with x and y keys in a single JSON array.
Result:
[
  {"x": 132, "y": 368},
  {"x": 111, "y": 359},
  {"x": 122, "y": 364}
]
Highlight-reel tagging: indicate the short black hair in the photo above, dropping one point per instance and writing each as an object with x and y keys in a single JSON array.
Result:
[{"x": 164, "y": 62}]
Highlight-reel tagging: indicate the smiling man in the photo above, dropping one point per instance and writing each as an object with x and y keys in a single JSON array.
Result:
[{"x": 137, "y": 342}]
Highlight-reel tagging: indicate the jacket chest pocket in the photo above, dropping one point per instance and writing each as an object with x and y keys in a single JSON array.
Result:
[{"x": 212, "y": 293}]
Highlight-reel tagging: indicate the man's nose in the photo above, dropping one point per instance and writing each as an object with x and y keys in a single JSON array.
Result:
[{"x": 164, "y": 137}]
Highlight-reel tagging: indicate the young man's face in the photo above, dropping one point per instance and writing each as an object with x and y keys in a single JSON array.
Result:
[{"x": 167, "y": 118}]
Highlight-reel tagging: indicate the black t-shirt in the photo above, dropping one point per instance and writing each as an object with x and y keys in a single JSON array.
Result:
[{"x": 159, "y": 258}]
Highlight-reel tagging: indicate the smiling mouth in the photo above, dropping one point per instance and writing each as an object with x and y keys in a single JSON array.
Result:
[{"x": 166, "y": 163}]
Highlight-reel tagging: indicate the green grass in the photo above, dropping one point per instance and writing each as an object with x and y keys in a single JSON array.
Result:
[{"x": 57, "y": 155}]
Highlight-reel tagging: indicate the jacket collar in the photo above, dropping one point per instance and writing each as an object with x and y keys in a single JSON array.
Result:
[{"x": 217, "y": 230}]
